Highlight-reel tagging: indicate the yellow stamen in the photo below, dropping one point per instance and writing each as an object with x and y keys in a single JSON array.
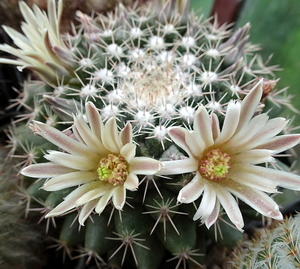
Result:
[
  {"x": 113, "y": 169},
  {"x": 214, "y": 165}
]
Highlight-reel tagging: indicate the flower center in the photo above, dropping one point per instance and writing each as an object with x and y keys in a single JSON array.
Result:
[
  {"x": 214, "y": 165},
  {"x": 113, "y": 169}
]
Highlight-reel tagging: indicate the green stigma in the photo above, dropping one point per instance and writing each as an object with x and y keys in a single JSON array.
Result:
[
  {"x": 103, "y": 172},
  {"x": 220, "y": 170}
]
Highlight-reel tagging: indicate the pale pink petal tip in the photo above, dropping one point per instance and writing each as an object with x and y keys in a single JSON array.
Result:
[
  {"x": 239, "y": 226},
  {"x": 132, "y": 182},
  {"x": 126, "y": 134},
  {"x": 178, "y": 167},
  {"x": 275, "y": 214},
  {"x": 192, "y": 191},
  {"x": 212, "y": 218},
  {"x": 180, "y": 198},
  {"x": 144, "y": 166}
]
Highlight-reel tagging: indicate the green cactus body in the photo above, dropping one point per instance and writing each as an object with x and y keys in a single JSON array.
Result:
[{"x": 120, "y": 98}]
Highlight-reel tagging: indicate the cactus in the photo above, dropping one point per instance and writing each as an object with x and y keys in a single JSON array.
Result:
[
  {"x": 137, "y": 117},
  {"x": 273, "y": 247},
  {"x": 22, "y": 239}
]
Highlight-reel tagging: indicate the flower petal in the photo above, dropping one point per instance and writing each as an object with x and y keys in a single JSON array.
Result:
[
  {"x": 110, "y": 136},
  {"x": 281, "y": 143},
  {"x": 282, "y": 178},
  {"x": 119, "y": 197},
  {"x": 192, "y": 191},
  {"x": 212, "y": 218},
  {"x": 230, "y": 122},
  {"x": 231, "y": 207},
  {"x": 128, "y": 151},
  {"x": 126, "y": 134},
  {"x": 272, "y": 128},
  {"x": 71, "y": 161},
  {"x": 100, "y": 189},
  {"x": 86, "y": 210},
  {"x": 61, "y": 140},
  {"x": 258, "y": 200},
  {"x": 94, "y": 118},
  {"x": 54, "y": 17},
  {"x": 215, "y": 126},
  {"x": 207, "y": 204},
  {"x": 103, "y": 202},
  {"x": 202, "y": 125},
  {"x": 28, "y": 14},
  {"x": 69, "y": 180},
  {"x": 259, "y": 182},
  {"x": 77, "y": 135},
  {"x": 144, "y": 166},
  {"x": 250, "y": 104},
  {"x": 196, "y": 144},
  {"x": 178, "y": 167},
  {"x": 70, "y": 199},
  {"x": 253, "y": 156},
  {"x": 179, "y": 136},
  {"x": 88, "y": 136},
  {"x": 132, "y": 182},
  {"x": 10, "y": 61},
  {"x": 44, "y": 170},
  {"x": 19, "y": 40},
  {"x": 252, "y": 128}
]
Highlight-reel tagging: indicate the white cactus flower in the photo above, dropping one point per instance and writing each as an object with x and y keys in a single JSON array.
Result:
[
  {"x": 101, "y": 162},
  {"x": 225, "y": 161},
  {"x": 41, "y": 47}
]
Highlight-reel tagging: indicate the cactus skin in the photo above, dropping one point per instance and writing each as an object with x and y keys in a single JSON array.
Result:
[
  {"x": 275, "y": 247},
  {"x": 153, "y": 67}
]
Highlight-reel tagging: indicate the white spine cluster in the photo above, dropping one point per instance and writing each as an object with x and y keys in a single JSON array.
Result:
[{"x": 275, "y": 248}]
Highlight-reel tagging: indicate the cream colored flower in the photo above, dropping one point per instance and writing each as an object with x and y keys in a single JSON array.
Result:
[
  {"x": 225, "y": 161},
  {"x": 101, "y": 162},
  {"x": 41, "y": 48}
]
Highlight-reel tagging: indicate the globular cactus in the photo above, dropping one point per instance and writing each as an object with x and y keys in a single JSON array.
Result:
[
  {"x": 138, "y": 114},
  {"x": 275, "y": 247}
]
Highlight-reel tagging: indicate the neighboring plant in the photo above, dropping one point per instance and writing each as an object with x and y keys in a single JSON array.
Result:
[
  {"x": 275, "y": 247},
  {"x": 21, "y": 239},
  {"x": 143, "y": 122}
]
